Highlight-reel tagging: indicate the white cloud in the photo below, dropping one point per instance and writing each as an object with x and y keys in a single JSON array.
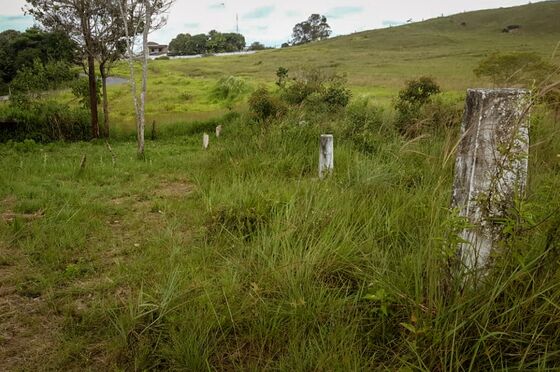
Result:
[{"x": 275, "y": 27}]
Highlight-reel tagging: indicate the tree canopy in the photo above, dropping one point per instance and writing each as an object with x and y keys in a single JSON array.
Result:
[
  {"x": 313, "y": 29},
  {"x": 24, "y": 49},
  {"x": 213, "y": 42}
]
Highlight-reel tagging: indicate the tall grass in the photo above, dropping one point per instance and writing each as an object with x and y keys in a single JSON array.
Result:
[{"x": 265, "y": 267}]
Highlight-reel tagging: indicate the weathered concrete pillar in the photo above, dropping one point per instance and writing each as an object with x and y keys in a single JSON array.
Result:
[
  {"x": 218, "y": 131},
  {"x": 205, "y": 141},
  {"x": 490, "y": 168},
  {"x": 326, "y": 155}
]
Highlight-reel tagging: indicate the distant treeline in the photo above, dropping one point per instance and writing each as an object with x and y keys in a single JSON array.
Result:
[{"x": 213, "y": 42}]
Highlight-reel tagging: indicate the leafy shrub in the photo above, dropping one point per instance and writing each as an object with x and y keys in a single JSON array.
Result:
[
  {"x": 514, "y": 68},
  {"x": 263, "y": 105},
  {"x": 30, "y": 81},
  {"x": 331, "y": 89},
  {"x": 45, "y": 122},
  {"x": 410, "y": 101},
  {"x": 80, "y": 89},
  {"x": 336, "y": 94},
  {"x": 282, "y": 74},
  {"x": 363, "y": 123},
  {"x": 440, "y": 113}
]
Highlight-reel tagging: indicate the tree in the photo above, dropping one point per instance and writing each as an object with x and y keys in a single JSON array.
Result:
[
  {"x": 22, "y": 49},
  {"x": 214, "y": 42},
  {"x": 110, "y": 47},
  {"x": 141, "y": 17},
  {"x": 257, "y": 46},
  {"x": 79, "y": 19},
  {"x": 514, "y": 68},
  {"x": 313, "y": 29}
]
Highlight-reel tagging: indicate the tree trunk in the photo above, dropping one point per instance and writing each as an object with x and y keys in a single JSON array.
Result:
[
  {"x": 93, "y": 97},
  {"x": 142, "y": 121},
  {"x": 104, "y": 73}
]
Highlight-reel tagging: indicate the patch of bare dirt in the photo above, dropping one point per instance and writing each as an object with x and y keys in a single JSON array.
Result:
[
  {"x": 7, "y": 214},
  {"x": 174, "y": 189}
]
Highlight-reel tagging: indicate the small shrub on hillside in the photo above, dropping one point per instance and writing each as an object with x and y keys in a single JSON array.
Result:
[
  {"x": 263, "y": 105},
  {"x": 331, "y": 89},
  {"x": 520, "y": 68},
  {"x": 440, "y": 113},
  {"x": 282, "y": 75},
  {"x": 363, "y": 124},
  {"x": 336, "y": 94},
  {"x": 410, "y": 101}
]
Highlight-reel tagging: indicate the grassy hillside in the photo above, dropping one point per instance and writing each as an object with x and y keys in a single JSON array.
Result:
[{"x": 377, "y": 63}]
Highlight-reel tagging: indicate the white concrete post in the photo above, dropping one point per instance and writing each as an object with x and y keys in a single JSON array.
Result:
[
  {"x": 205, "y": 141},
  {"x": 490, "y": 168},
  {"x": 326, "y": 155},
  {"x": 218, "y": 131}
]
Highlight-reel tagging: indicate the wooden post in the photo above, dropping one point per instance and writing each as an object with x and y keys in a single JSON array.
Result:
[
  {"x": 326, "y": 155},
  {"x": 490, "y": 168},
  {"x": 205, "y": 141},
  {"x": 218, "y": 131}
]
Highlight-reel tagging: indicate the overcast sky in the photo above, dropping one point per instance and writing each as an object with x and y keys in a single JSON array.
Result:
[{"x": 271, "y": 21}]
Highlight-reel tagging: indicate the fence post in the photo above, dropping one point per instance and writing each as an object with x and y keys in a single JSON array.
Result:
[
  {"x": 326, "y": 155},
  {"x": 490, "y": 168},
  {"x": 205, "y": 141}
]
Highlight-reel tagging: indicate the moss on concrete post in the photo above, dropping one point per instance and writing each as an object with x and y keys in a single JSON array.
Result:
[
  {"x": 490, "y": 168},
  {"x": 326, "y": 155}
]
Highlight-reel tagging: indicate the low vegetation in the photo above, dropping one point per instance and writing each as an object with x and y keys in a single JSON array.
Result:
[{"x": 238, "y": 257}]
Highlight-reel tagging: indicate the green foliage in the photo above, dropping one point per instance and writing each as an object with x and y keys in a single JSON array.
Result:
[
  {"x": 282, "y": 75},
  {"x": 19, "y": 50},
  {"x": 313, "y": 29},
  {"x": 263, "y": 105},
  {"x": 229, "y": 90},
  {"x": 257, "y": 46},
  {"x": 506, "y": 69},
  {"x": 409, "y": 103},
  {"x": 318, "y": 87},
  {"x": 213, "y": 42},
  {"x": 44, "y": 121},
  {"x": 31, "y": 81},
  {"x": 364, "y": 125},
  {"x": 80, "y": 90}
]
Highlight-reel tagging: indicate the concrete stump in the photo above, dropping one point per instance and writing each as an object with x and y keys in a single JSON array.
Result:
[
  {"x": 490, "y": 168},
  {"x": 205, "y": 141},
  {"x": 218, "y": 131},
  {"x": 326, "y": 155}
]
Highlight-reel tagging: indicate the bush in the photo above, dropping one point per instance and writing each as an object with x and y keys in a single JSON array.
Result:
[
  {"x": 336, "y": 95},
  {"x": 514, "y": 68},
  {"x": 263, "y": 105},
  {"x": 410, "y": 101},
  {"x": 44, "y": 122},
  {"x": 363, "y": 124},
  {"x": 30, "y": 81},
  {"x": 80, "y": 89},
  {"x": 331, "y": 89}
]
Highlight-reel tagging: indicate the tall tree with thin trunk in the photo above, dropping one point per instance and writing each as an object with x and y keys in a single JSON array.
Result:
[
  {"x": 111, "y": 46},
  {"x": 140, "y": 17},
  {"x": 78, "y": 19}
]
